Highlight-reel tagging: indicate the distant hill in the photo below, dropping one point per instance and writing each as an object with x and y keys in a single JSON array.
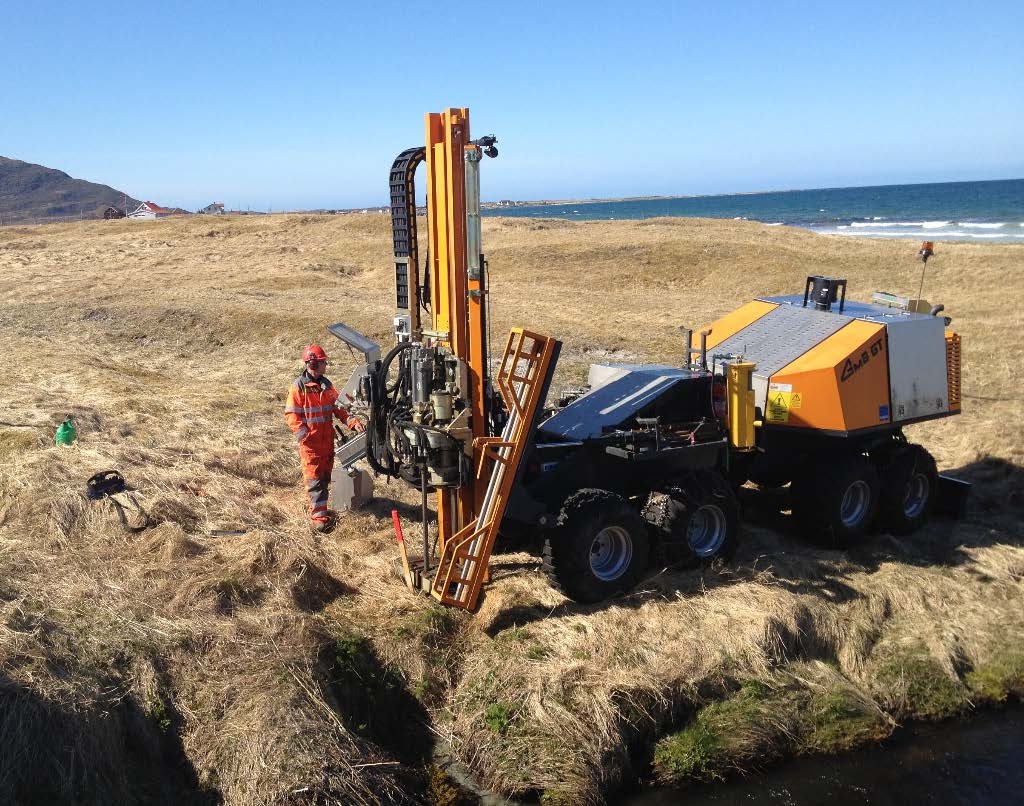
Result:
[{"x": 34, "y": 192}]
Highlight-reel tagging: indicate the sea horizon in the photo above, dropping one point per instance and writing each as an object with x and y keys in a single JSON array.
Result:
[
  {"x": 981, "y": 210},
  {"x": 592, "y": 199}
]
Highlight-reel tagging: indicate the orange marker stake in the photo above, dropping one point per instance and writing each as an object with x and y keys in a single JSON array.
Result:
[{"x": 401, "y": 548}]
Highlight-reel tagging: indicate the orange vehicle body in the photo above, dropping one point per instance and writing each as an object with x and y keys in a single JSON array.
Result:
[{"x": 840, "y": 384}]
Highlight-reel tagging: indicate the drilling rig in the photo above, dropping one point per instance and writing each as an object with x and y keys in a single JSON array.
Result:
[
  {"x": 437, "y": 417},
  {"x": 464, "y": 430},
  {"x": 645, "y": 458}
]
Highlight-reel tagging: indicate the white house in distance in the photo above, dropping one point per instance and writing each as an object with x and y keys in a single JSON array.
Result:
[{"x": 149, "y": 210}]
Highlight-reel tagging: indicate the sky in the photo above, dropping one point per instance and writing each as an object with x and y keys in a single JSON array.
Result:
[{"x": 268, "y": 105}]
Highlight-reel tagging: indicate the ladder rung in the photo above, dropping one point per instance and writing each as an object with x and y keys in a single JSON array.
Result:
[{"x": 520, "y": 384}]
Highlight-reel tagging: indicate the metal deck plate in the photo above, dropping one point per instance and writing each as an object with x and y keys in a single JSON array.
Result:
[
  {"x": 624, "y": 389},
  {"x": 781, "y": 336},
  {"x": 868, "y": 311}
]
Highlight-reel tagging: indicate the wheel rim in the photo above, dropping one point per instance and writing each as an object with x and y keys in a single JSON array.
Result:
[
  {"x": 916, "y": 498},
  {"x": 856, "y": 501},
  {"x": 706, "y": 531},
  {"x": 610, "y": 553}
]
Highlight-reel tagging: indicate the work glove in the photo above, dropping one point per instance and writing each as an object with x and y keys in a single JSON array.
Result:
[{"x": 355, "y": 424}]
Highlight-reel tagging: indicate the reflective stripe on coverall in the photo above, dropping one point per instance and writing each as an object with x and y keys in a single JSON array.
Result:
[{"x": 310, "y": 411}]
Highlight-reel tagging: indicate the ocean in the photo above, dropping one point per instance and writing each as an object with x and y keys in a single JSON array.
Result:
[{"x": 991, "y": 212}]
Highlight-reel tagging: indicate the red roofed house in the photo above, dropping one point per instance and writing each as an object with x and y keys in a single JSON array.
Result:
[{"x": 149, "y": 210}]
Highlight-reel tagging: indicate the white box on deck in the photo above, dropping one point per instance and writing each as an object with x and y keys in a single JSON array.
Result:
[
  {"x": 918, "y": 383},
  {"x": 600, "y": 374}
]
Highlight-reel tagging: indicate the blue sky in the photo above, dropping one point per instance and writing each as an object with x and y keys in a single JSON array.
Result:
[{"x": 273, "y": 105}]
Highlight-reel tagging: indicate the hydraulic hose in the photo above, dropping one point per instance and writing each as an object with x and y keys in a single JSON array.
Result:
[{"x": 377, "y": 423}]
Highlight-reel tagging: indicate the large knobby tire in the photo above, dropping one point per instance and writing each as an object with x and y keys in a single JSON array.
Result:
[
  {"x": 835, "y": 503},
  {"x": 702, "y": 520},
  {"x": 910, "y": 484},
  {"x": 599, "y": 547}
]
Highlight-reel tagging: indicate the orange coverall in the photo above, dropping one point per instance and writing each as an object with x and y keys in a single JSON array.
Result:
[{"x": 310, "y": 411}]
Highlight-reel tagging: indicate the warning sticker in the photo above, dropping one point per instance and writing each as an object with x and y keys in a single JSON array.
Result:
[
  {"x": 779, "y": 404},
  {"x": 796, "y": 400}
]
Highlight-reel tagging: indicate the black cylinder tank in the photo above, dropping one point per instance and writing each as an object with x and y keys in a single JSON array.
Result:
[{"x": 823, "y": 291}]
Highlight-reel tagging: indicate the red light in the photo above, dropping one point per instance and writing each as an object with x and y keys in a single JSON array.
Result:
[{"x": 718, "y": 399}]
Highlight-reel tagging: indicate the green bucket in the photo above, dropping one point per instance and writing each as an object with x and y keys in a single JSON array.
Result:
[{"x": 66, "y": 433}]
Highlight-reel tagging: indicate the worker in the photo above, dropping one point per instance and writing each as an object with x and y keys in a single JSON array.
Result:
[{"x": 310, "y": 411}]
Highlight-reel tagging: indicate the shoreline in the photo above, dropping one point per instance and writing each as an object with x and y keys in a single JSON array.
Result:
[
  {"x": 954, "y": 211},
  {"x": 854, "y": 235}
]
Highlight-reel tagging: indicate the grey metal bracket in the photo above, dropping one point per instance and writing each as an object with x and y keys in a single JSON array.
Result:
[
  {"x": 353, "y": 338},
  {"x": 352, "y": 451}
]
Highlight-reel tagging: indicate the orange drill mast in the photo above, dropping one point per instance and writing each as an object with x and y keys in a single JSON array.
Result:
[
  {"x": 456, "y": 280},
  {"x": 434, "y": 417}
]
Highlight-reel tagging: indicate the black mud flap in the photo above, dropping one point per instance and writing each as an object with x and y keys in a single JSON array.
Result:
[{"x": 953, "y": 495}]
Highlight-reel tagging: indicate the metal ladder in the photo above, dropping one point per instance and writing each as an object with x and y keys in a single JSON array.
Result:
[{"x": 522, "y": 379}]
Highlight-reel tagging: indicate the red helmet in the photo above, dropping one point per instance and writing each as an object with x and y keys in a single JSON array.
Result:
[{"x": 314, "y": 353}]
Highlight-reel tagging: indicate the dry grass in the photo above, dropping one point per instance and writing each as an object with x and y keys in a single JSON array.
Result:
[{"x": 181, "y": 664}]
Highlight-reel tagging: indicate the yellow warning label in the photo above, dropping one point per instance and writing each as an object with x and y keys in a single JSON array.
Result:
[
  {"x": 796, "y": 400},
  {"x": 778, "y": 406}
]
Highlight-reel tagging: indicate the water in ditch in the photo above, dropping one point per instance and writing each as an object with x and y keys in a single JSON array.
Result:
[{"x": 973, "y": 762}]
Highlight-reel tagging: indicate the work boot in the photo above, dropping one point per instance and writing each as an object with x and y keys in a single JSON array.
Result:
[{"x": 324, "y": 526}]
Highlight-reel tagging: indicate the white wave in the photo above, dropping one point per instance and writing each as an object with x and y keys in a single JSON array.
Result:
[
  {"x": 919, "y": 224},
  {"x": 775, "y": 224},
  {"x": 901, "y": 234},
  {"x": 878, "y": 218},
  {"x": 983, "y": 226},
  {"x": 951, "y": 234}
]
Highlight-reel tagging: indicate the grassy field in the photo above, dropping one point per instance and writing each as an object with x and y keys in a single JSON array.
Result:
[{"x": 225, "y": 653}]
